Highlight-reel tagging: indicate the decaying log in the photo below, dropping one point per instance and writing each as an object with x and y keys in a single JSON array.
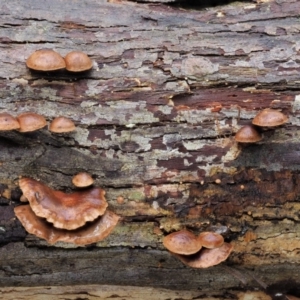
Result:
[{"x": 155, "y": 124}]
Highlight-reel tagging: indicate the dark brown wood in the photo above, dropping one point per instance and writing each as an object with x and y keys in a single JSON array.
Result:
[{"x": 155, "y": 124}]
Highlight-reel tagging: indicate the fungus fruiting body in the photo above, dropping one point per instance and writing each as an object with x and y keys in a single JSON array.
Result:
[
  {"x": 66, "y": 211},
  {"x": 88, "y": 234},
  {"x": 77, "y": 61},
  {"x": 210, "y": 240},
  {"x": 45, "y": 60},
  {"x": 269, "y": 118},
  {"x": 30, "y": 121},
  {"x": 82, "y": 179},
  {"x": 62, "y": 125},
  {"x": 182, "y": 242},
  {"x": 248, "y": 134},
  {"x": 8, "y": 122},
  {"x": 206, "y": 250},
  {"x": 207, "y": 257}
]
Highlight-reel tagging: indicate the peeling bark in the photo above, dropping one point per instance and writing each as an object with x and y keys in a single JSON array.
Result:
[{"x": 155, "y": 124}]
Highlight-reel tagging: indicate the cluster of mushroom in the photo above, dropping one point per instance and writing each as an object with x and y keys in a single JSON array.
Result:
[
  {"x": 267, "y": 118},
  {"x": 48, "y": 60},
  {"x": 29, "y": 121},
  {"x": 80, "y": 217},
  {"x": 203, "y": 251}
]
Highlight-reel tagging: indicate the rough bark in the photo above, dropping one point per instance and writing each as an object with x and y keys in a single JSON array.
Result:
[{"x": 155, "y": 123}]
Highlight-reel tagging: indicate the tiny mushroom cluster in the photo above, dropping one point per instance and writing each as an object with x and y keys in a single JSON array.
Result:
[
  {"x": 47, "y": 60},
  {"x": 203, "y": 251},
  {"x": 30, "y": 121},
  {"x": 80, "y": 217},
  {"x": 267, "y": 118}
]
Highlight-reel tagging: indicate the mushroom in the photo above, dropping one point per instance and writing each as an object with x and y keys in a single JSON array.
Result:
[
  {"x": 45, "y": 60},
  {"x": 210, "y": 239},
  {"x": 62, "y": 125},
  {"x": 88, "y": 234},
  {"x": 182, "y": 242},
  {"x": 207, "y": 257},
  {"x": 248, "y": 134},
  {"x": 30, "y": 121},
  {"x": 82, "y": 179},
  {"x": 269, "y": 118},
  {"x": 8, "y": 122},
  {"x": 67, "y": 211},
  {"x": 77, "y": 61}
]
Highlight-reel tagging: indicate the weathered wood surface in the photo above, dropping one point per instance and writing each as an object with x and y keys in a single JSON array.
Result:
[{"x": 155, "y": 124}]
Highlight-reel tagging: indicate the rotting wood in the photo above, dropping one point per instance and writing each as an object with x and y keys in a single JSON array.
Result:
[{"x": 155, "y": 124}]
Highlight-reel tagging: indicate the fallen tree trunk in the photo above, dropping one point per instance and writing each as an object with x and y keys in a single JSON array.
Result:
[{"x": 155, "y": 124}]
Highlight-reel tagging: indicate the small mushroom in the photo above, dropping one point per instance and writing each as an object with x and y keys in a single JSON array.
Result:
[
  {"x": 77, "y": 61},
  {"x": 248, "y": 134},
  {"x": 67, "y": 211},
  {"x": 30, "y": 121},
  {"x": 269, "y": 118},
  {"x": 182, "y": 242},
  {"x": 207, "y": 257},
  {"x": 8, "y": 122},
  {"x": 45, "y": 60},
  {"x": 82, "y": 179},
  {"x": 210, "y": 240},
  {"x": 62, "y": 125},
  {"x": 88, "y": 234}
]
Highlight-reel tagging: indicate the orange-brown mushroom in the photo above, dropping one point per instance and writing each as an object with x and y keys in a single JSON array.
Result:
[
  {"x": 82, "y": 179},
  {"x": 30, "y": 121},
  {"x": 45, "y": 60},
  {"x": 269, "y": 118},
  {"x": 88, "y": 234},
  {"x": 207, "y": 257},
  {"x": 210, "y": 239},
  {"x": 248, "y": 134},
  {"x": 67, "y": 211},
  {"x": 182, "y": 242},
  {"x": 62, "y": 125},
  {"x": 8, "y": 122},
  {"x": 77, "y": 61}
]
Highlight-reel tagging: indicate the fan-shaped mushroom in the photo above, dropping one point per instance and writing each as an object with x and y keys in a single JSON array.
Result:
[
  {"x": 88, "y": 234},
  {"x": 207, "y": 257},
  {"x": 67, "y": 211}
]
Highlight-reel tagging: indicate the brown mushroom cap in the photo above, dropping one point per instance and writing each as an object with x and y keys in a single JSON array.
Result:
[
  {"x": 31, "y": 121},
  {"x": 248, "y": 134},
  {"x": 207, "y": 257},
  {"x": 8, "y": 122},
  {"x": 269, "y": 118},
  {"x": 88, "y": 234},
  {"x": 182, "y": 242},
  {"x": 61, "y": 125},
  {"x": 45, "y": 60},
  {"x": 82, "y": 179},
  {"x": 210, "y": 239},
  {"x": 67, "y": 211},
  {"x": 77, "y": 61}
]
